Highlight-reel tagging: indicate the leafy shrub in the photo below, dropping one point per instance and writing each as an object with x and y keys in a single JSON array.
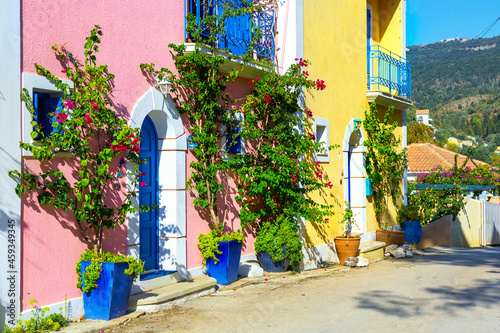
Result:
[{"x": 40, "y": 321}]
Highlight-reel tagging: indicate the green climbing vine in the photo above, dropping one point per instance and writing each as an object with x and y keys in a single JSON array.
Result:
[{"x": 385, "y": 160}]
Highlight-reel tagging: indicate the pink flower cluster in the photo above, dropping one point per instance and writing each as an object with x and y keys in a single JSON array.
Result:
[
  {"x": 253, "y": 81},
  {"x": 142, "y": 183},
  {"x": 89, "y": 120},
  {"x": 133, "y": 146},
  {"x": 312, "y": 135},
  {"x": 69, "y": 104},
  {"x": 94, "y": 105},
  {"x": 318, "y": 171},
  {"x": 61, "y": 117},
  {"x": 319, "y": 84},
  {"x": 302, "y": 62},
  {"x": 309, "y": 112},
  {"x": 294, "y": 177},
  {"x": 268, "y": 99}
]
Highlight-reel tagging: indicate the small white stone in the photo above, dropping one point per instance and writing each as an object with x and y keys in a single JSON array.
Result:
[
  {"x": 250, "y": 269},
  {"x": 409, "y": 254},
  {"x": 390, "y": 248},
  {"x": 398, "y": 253},
  {"x": 362, "y": 262},
  {"x": 407, "y": 247}
]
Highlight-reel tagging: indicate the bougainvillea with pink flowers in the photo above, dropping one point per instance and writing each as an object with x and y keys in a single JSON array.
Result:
[
  {"x": 88, "y": 127},
  {"x": 434, "y": 203},
  {"x": 278, "y": 173},
  {"x": 481, "y": 175}
]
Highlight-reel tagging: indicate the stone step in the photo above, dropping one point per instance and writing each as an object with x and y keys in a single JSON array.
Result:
[
  {"x": 172, "y": 294},
  {"x": 372, "y": 250}
]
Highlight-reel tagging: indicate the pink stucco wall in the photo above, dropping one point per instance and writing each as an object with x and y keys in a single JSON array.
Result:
[{"x": 134, "y": 32}]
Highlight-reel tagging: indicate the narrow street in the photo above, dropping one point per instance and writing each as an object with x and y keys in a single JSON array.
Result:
[{"x": 445, "y": 290}]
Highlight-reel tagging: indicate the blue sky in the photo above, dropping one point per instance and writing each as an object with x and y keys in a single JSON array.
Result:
[{"x": 430, "y": 21}]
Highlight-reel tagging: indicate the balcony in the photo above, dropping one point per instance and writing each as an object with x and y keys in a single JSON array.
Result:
[
  {"x": 239, "y": 30},
  {"x": 389, "y": 76}
]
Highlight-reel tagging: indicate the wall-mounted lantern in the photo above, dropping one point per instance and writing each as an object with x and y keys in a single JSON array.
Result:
[
  {"x": 164, "y": 85},
  {"x": 357, "y": 124}
]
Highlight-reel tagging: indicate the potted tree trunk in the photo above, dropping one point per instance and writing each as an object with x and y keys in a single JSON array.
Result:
[{"x": 347, "y": 245}]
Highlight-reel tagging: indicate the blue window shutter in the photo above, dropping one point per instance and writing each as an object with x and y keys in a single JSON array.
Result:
[
  {"x": 36, "y": 105},
  {"x": 39, "y": 104},
  {"x": 233, "y": 142}
]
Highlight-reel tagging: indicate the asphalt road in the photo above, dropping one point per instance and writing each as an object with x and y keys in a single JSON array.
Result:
[{"x": 445, "y": 290}]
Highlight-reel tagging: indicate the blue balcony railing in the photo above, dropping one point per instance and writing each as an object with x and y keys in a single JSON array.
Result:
[
  {"x": 239, "y": 30},
  {"x": 388, "y": 70}
]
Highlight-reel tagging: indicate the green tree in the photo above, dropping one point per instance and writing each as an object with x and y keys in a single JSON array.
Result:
[{"x": 419, "y": 133}]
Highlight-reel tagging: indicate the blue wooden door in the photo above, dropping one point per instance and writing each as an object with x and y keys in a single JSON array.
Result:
[{"x": 148, "y": 194}]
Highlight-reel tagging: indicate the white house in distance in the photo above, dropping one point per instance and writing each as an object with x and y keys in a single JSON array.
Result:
[{"x": 423, "y": 117}]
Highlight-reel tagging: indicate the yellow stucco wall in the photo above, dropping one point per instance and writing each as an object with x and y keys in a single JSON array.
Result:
[
  {"x": 387, "y": 24},
  {"x": 335, "y": 43}
]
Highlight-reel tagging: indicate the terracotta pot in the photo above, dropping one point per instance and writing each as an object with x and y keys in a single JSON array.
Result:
[
  {"x": 346, "y": 247},
  {"x": 391, "y": 237}
]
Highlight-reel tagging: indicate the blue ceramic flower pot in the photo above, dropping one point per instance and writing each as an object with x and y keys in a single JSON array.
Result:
[
  {"x": 268, "y": 265},
  {"x": 413, "y": 231},
  {"x": 110, "y": 299},
  {"x": 226, "y": 270}
]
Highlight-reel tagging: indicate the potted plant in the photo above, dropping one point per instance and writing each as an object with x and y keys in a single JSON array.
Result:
[
  {"x": 409, "y": 217},
  {"x": 390, "y": 236},
  {"x": 347, "y": 245},
  {"x": 87, "y": 126},
  {"x": 221, "y": 255},
  {"x": 277, "y": 244}
]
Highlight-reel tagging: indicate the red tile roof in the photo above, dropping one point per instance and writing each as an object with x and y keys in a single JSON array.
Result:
[
  {"x": 422, "y": 112},
  {"x": 425, "y": 156}
]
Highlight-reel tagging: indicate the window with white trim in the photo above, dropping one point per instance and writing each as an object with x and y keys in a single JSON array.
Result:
[
  {"x": 321, "y": 131},
  {"x": 45, "y": 98}
]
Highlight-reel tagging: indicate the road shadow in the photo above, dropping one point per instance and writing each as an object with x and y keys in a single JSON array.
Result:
[
  {"x": 481, "y": 293},
  {"x": 444, "y": 297},
  {"x": 472, "y": 257}
]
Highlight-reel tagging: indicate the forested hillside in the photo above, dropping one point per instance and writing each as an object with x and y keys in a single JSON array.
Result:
[
  {"x": 444, "y": 72},
  {"x": 459, "y": 81}
]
